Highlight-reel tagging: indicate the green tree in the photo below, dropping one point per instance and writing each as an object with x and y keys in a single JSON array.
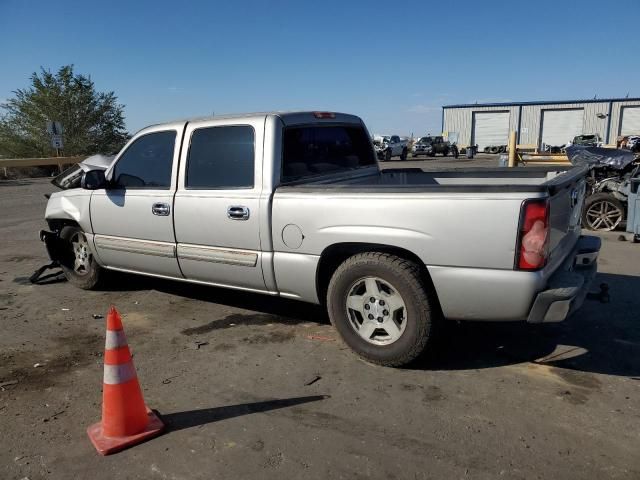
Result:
[{"x": 93, "y": 122}]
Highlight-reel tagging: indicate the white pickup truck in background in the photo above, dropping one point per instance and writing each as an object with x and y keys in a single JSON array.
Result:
[{"x": 388, "y": 146}]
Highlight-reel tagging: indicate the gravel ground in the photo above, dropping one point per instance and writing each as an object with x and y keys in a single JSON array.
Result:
[{"x": 257, "y": 387}]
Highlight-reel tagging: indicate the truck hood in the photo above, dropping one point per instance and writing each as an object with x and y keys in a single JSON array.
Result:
[{"x": 71, "y": 177}]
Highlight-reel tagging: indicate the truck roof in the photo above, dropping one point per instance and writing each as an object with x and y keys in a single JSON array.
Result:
[{"x": 287, "y": 117}]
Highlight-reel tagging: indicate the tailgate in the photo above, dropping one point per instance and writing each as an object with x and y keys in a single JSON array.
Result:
[{"x": 567, "y": 195}]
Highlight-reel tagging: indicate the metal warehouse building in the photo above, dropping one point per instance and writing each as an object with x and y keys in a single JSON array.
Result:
[{"x": 551, "y": 123}]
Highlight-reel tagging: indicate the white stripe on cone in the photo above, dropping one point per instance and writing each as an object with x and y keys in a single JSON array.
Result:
[
  {"x": 115, "y": 339},
  {"x": 115, "y": 374}
]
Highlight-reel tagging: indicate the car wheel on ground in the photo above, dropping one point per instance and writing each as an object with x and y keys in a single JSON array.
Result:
[
  {"x": 602, "y": 212},
  {"x": 403, "y": 155},
  {"x": 382, "y": 309},
  {"x": 445, "y": 153},
  {"x": 78, "y": 264},
  {"x": 387, "y": 155}
]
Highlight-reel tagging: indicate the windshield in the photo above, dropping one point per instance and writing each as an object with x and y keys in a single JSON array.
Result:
[
  {"x": 425, "y": 140},
  {"x": 316, "y": 150}
]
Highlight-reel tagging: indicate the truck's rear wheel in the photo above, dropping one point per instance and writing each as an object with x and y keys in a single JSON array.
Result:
[
  {"x": 78, "y": 264},
  {"x": 380, "y": 306},
  {"x": 403, "y": 156}
]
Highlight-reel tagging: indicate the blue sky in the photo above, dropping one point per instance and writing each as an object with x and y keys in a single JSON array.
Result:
[{"x": 393, "y": 63}]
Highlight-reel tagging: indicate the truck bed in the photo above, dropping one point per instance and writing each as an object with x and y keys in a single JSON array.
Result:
[{"x": 539, "y": 179}]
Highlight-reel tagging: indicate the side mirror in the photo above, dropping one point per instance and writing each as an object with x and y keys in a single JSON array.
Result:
[{"x": 93, "y": 180}]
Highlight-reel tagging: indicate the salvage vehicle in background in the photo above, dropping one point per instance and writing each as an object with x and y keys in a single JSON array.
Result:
[
  {"x": 430, "y": 146},
  {"x": 388, "y": 146},
  {"x": 608, "y": 184},
  {"x": 295, "y": 205},
  {"x": 587, "y": 140}
]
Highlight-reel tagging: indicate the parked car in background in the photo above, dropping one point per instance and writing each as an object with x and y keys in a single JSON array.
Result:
[
  {"x": 295, "y": 205},
  {"x": 587, "y": 140},
  {"x": 430, "y": 146},
  {"x": 388, "y": 146}
]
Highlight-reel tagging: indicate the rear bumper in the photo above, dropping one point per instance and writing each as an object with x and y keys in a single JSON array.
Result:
[{"x": 569, "y": 285}]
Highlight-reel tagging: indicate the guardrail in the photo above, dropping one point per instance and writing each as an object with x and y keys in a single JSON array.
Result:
[{"x": 39, "y": 162}]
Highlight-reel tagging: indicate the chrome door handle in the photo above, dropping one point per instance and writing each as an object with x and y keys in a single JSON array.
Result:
[
  {"x": 236, "y": 212},
  {"x": 160, "y": 209}
]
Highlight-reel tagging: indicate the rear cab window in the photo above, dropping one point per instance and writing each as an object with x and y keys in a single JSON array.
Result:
[
  {"x": 221, "y": 158},
  {"x": 312, "y": 150}
]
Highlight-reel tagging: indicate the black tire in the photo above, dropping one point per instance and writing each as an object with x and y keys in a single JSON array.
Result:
[
  {"x": 445, "y": 153},
  {"x": 403, "y": 155},
  {"x": 387, "y": 156},
  {"x": 404, "y": 276},
  {"x": 87, "y": 276},
  {"x": 591, "y": 207}
]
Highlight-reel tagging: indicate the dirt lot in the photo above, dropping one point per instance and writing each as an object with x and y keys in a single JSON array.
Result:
[{"x": 272, "y": 393}]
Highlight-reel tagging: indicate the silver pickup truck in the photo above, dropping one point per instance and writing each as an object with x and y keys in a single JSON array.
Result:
[{"x": 295, "y": 205}]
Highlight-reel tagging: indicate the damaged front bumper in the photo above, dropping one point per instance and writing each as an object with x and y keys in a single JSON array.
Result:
[{"x": 56, "y": 247}]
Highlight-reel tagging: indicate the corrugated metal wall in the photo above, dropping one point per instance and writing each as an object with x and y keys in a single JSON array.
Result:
[
  {"x": 459, "y": 119},
  {"x": 616, "y": 117}
]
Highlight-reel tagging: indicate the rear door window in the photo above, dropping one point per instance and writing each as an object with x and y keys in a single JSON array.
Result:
[
  {"x": 221, "y": 158},
  {"x": 316, "y": 150}
]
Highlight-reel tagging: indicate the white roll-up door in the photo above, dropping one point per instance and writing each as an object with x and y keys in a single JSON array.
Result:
[
  {"x": 630, "y": 121},
  {"x": 560, "y": 126},
  {"x": 490, "y": 128}
]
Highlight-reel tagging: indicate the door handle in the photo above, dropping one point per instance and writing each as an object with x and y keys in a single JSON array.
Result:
[
  {"x": 236, "y": 212},
  {"x": 160, "y": 209}
]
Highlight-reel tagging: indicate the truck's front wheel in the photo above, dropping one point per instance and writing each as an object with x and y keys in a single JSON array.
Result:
[
  {"x": 387, "y": 155},
  {"x": 381, "y": 308},
  {"x": 78, "y": 264}
]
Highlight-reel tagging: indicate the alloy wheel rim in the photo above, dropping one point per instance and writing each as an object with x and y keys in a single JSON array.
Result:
[
  {"x": 81, "y": 254},
  {"x": 604, "y": 215},
  {"x": 376, "y": 311}
]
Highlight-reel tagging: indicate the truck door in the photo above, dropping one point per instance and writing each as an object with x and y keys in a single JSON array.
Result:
[
  {"x": 132, "y": 218},
  {"x": 217, "y": 215}
]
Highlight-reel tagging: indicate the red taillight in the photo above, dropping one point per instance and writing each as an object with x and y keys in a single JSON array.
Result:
[
  {"x": 533, "y": 240},
  {"x": 324, "y": 114}
]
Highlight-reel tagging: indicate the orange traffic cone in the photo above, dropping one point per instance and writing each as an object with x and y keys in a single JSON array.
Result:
[{"x": 126, "y": 420}]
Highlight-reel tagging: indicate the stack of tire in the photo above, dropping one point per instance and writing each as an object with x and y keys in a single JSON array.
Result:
[{"x": 495, "y": 149}]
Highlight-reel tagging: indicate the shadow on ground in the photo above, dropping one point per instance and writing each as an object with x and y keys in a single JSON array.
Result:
[
  {"x": 288, "y": 311},
  {"x": 599, "y": 338},
  {"x": 193, "y": 418}
]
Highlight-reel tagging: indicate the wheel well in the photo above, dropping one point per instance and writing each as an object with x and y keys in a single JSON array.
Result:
[
  {"x": 333, "y": 256},
  {"x": 57, "y": 224}
]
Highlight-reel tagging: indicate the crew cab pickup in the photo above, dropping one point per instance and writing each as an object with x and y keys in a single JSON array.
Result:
[
  {"x": 430, "y": 146},
  {"x": 295, "y": 205},
  {"x": 388, "y": 146}
]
